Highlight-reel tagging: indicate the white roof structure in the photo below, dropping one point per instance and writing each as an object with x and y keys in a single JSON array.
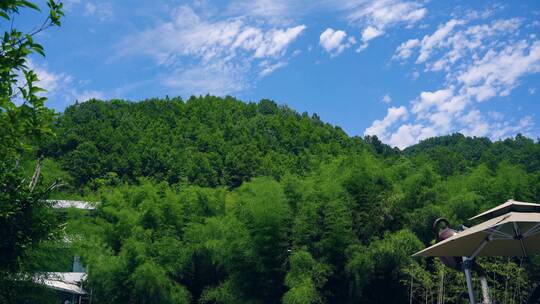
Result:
[
  {"x": 63, "y": 281},
  {"x": 64, "y": 204}
]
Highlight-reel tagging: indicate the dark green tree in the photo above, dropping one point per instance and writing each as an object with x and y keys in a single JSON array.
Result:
[{"x": 26, "y": 219}]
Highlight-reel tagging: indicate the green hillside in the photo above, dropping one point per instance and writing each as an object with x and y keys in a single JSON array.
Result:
[
  {"x": 217, "y": 201},
  {"x": 214, "y": 200},
  {"x": 206, "y": 141}
]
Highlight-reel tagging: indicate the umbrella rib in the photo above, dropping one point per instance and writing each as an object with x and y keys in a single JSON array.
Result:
[
  {"x": 502, "y": 238},
  {"x": 520, "y": 238},
  {"x": 497, "y": 232},
  {"x": 532, "y": 231},
  {"x": 486, "y": 241}
]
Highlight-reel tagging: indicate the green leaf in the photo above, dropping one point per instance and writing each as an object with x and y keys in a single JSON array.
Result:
[
  {"x": 34, "y": 90},
  {"x": 30, "y": 5},
  {"x": 38, "y": 49}
]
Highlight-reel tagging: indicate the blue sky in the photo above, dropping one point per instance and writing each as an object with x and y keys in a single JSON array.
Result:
[{"x": 403, "y": 70}]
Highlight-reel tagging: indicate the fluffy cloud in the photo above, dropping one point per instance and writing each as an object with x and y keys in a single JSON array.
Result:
[
  {"x": 62, "y": 86},
  {"x": 452, "y": 42},
  {"x": 409, "y": 134},
  {"x": 335, "y": 42},
  {"x": 386, "y": 98},
  {"x": 384, "y": 13},
  {"x": 438, "y": 38},
  {"x": 498, "y": 72},
  {"x": 201, "y": 47},
  {"x": 405, "y": 50},
  {"x": 371, "y": 32},
  {"x": 379, "y": 127},
  {"x": 377, "y": 16},
  {"x": 480, "y": 61},
  {"x": 426, "y": 100},
  {"x": 48, "y": 80},
  {"x": 275, "y": 42}
]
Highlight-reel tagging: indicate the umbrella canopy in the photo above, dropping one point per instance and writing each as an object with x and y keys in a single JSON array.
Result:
[
  {"x": 508, "y": 206},
  {"x": 511, "y": 234}
]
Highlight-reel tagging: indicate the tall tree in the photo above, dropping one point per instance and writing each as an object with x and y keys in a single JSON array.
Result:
[{"x": 26, "y": 219}]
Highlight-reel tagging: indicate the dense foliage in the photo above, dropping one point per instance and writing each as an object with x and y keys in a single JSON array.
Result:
[
  {"x": 335, "y": 222},
  {"x": 206, "y": 141},
  {"x": 28, "y": 226},
  {"x": 213, "y": 200},
  {"x": 24, "y": 119}
]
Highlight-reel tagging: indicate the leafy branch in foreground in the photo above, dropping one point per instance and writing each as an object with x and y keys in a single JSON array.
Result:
[
  {"x": 23, "y": 116},
  {"x": 27, "y": 220}
]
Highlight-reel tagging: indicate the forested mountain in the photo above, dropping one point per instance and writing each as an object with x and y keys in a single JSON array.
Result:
[
  {"x": 464, "y": 151},
  {"x": 217, "y": 201},
  {"x": 206, "y": 141}
]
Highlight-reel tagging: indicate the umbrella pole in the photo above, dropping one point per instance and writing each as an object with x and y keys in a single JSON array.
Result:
[{"x": 467, "y": 265}]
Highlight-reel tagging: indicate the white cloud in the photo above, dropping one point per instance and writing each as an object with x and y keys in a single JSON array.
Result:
[
  {"x": 386, "y": 98},
  {"x": 474, "y": 124},
  {"x": 405, "y": 50},
  {"x": 86, "y": 95},
  {"x": 427, "y": 100},
  {"x": 192, "y": 46},
  {"x": 275, "y": 42},
  {"x": 375, "y": 17},
  {"x": 103, "y": 11},
  {"x": 371, "y": 32},
  {"x": 335, "y": 41},
  {"x": 480, "y": 61},
  {"x": 188, "y": 35},
  {"x": 269, "y": 68},
  {"x": 48, "y": 80},
  {"x": 61, "y": 86},
  {"x": 409, "y": 134},
  {"x": 503, "y": 129},
  {"x": 219, "y": 78},
  {"x": 69, "y": 4},
  {"x": 450, "y": 43},
  {"x": 89, "y": 8},
  {"x": 383, "y": 13},
  {"x": 379, "y": 127},
  {"x": 436, "y": 39},
  {"x": 277, "y": 12},
  {"x": 498, "y": 116},
  {"x": 498, "y": 72}
]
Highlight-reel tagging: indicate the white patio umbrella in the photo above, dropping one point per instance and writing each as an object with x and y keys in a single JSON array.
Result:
[{"x": 509, "y": 234}]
